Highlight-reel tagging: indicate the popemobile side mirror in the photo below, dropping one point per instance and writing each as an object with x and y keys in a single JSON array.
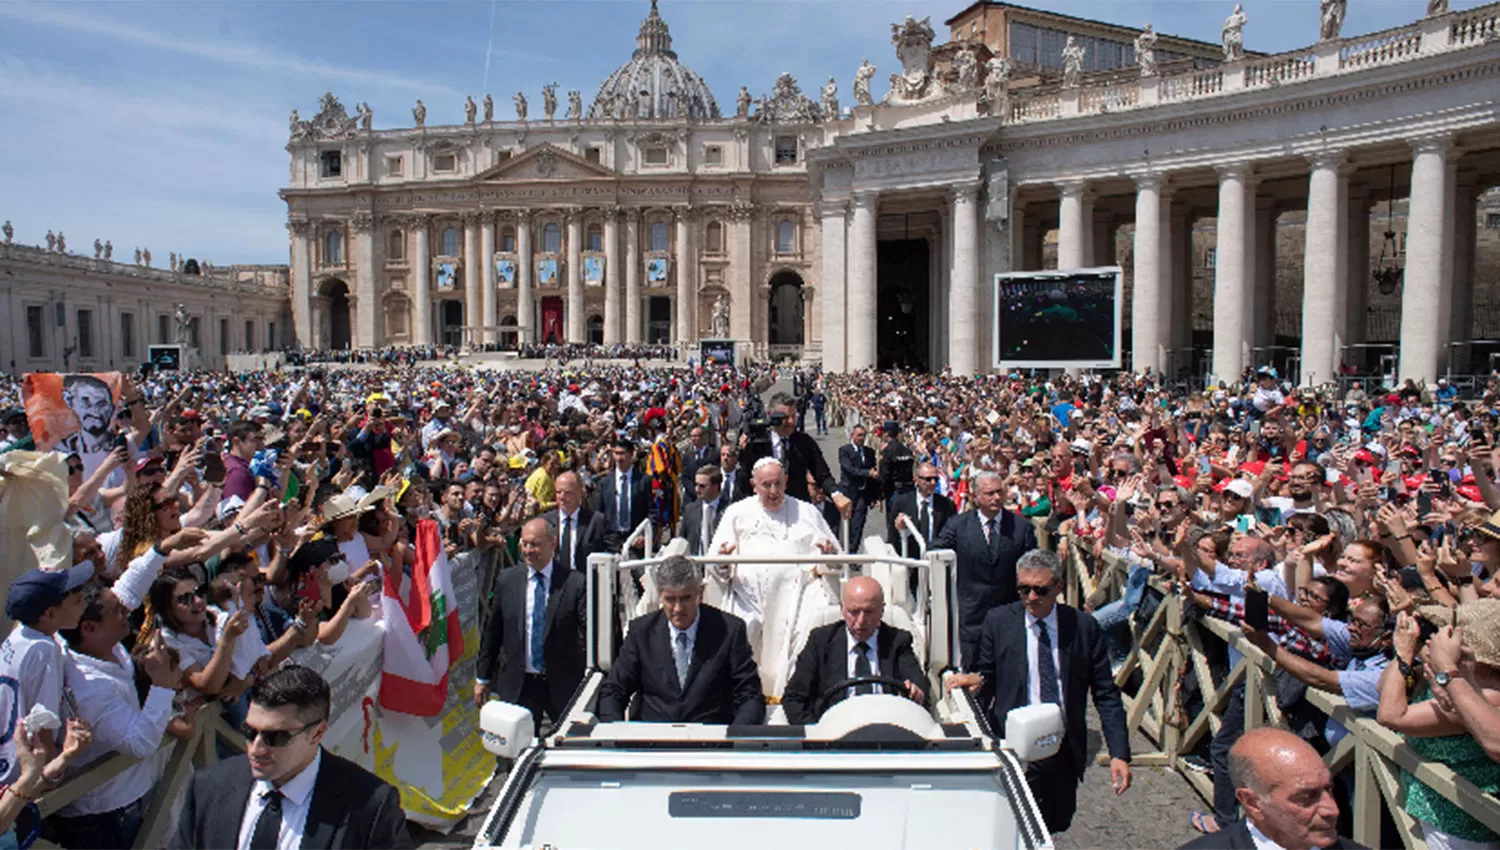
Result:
[
  {"x": 1034, "y": 732},
  {"x": 507, "y": 729}
]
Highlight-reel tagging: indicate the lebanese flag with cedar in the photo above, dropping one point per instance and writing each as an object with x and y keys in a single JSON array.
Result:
[{"x": 423, "y": 638}]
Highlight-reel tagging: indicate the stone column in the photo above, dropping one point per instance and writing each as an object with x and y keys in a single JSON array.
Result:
[
  {"x": 611, "y": 275},
  {"x": 687, "y": 278},
  {"x": 1357, "y": 291},
  {"x": 1233, "y": 271},
  {"x": 1179, "y": 260},
  {"x": 1075, "y": 214},
  {"x": 1102, "y": 249},
  {"x": 367, "y": 318},
  {"x": 1465, "y": 237},
  {"x": 963, "y": 291},
  {"x": 741, "y": 301},
  {"x": 575, "y": 322},
  {"x": 1322, "y": 268},
  {"x": 1017, "y": 236},
  {"x": 832, "y": 215},
  {"x": 301, "y": 281},
  {"x": 525, "y": 332},
  {"x": 1148, "y": 316},
  {"x": 488, "y": 319},
  {"x": 1428, "y": 217},
  {"x": 859, "y": 294},
  {"x": 472, "y": 306},
  {"x": 1264, "y": 292},
  {"x": 421, "y": 266},
  {"x": 632, "y": 275}
]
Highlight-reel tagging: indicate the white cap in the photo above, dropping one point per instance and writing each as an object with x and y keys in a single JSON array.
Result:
[{"x": 1240, "y": 487}]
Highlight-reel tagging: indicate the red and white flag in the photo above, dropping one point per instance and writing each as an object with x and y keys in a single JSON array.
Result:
[{"x": 423, "y": 637}]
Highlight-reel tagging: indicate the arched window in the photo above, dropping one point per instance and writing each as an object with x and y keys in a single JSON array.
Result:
[
  {"x": 333, "y": 248},
  {"x": 659, "y": 236},
  {"x": 450, "y": 242},
  {"x": 713, "y": 238},
  {"x": 395, "y": 248},
  {"x": 508, "y": 239},
  {"x": 786, "y": 238},
  {"x": 551, "y": 238},
  {"x": 593, "y": 239}
]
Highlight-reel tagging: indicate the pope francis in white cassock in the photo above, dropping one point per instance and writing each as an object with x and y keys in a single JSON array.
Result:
[{"x": 780, "y": 603}]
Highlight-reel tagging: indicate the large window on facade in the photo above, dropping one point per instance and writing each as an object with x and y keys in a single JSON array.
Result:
[
  {"x": 333, "y": 248},
  {"x": 659, "y": 240},
  {"x": 786, "y": 237},
  {"x": 395, "y": 245},
  {"x": 331, "y": 164},
  {"x": 508, "y": 239},
  {"x": 35, "y": 328},
  {"x": 551, "y": 238},
  {"x": 786, "y": 150},
  {"x": 450, "y": 242},
  {"x": 85, "y": 333},
  {"x": 713, "y": 238},
  {"x": 127, "y": 334},
  {"x": 593, "y": 240}
]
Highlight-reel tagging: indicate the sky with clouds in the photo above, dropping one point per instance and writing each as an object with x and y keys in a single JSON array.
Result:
[{"x": 164, "y": 124}]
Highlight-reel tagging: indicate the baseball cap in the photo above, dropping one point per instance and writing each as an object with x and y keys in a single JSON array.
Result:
[
  {"x": 1240, "y": 487},
  {"x": 190, "y": 415},
  {"x": 147, "y": 461},
  {"x": 37, "y": 590}
]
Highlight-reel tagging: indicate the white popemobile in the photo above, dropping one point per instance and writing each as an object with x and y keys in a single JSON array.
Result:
[{"x": 875, "y": 771}]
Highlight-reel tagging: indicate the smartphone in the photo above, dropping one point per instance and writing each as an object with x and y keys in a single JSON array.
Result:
[
  {"x": 1205, "y": 466},
  {"x": 1440, "y": 478},
  {"x": 310, "y": 590},
  {"x": 213, "y": 468},
  {"x": 120, "y": 442},
  {"x": 1424, "y": 503},
  {"x": 1258, "y": 609},
  {"x": 1243, "y": 522},
  {"x": 70, "y": 704}
]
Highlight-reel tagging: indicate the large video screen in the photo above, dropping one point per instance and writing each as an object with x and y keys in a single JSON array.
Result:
[{"x": 1058, "y": 319}]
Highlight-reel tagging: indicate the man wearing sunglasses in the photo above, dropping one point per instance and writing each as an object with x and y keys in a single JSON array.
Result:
[{"x": 286, "y": 791}]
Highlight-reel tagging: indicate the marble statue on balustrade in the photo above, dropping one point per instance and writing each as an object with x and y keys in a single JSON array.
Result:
[
  {"x": 366, "y": 115},
  {"x": 51, "y": 241},
  {"x": 146, "y": 257},
  {"x": 489, "y": 109},
  {"x": 520, "y": 99},
  {"x": 10, "y": 232},
  {"x": 1437, "y": 7},
  {"x": 419, "y": 113},
  {"x": 862, "y": 79},
  {"x": 62, "y": 243},
  {"x": 98, "y": 249},
  {"x": 575, "y": 105},
  {"x": 742, "y": 103},
  {"x": 181, "y": 330},
  {"x": 831, "y": 110},
  {"x": 966, "y": 69},
  {"x": 721, "y": 317},
  {"x": 296, "y": 124},
  {"x": 996, "y": 78},
  {"x": 549, "y": 101},
  {"x": 1332, "y": 16},
  {"x": 1072, "y": 55},
  {"x": 109, "y": 250},
  {"x": 172, "y": 260},
  {"x": 1145, "y": 51},
  {"x": 471, "y": 109},
  {"x": 913, "y": 41},
  {"x": 1234, "y": 34}
]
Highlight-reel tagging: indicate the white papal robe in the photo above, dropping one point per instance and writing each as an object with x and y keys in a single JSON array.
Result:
[{"x": 780, "y": 603}]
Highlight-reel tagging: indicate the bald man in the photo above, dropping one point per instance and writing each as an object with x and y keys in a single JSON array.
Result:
[
  {"x": 1286, "y": 793},
  {"x": 860, "y": 646},
  {"x": 581, "y": 531},
  {"x": 532, "y": 653}
]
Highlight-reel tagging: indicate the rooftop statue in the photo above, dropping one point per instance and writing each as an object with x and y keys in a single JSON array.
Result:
[
  {"x": 1145, "y": 52},
  {"x": 1234, "y": 40},
  {"x": 862, "y": 79}
]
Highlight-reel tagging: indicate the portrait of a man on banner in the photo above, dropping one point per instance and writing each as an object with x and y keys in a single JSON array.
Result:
[{"x": 505, "y": 272}]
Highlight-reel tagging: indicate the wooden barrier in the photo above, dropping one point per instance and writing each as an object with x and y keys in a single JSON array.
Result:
[
  {"x": 201, "y": 750},
  {"x": 1171, "y": 648}
]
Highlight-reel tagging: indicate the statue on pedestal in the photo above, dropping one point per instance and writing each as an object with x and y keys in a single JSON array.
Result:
[
  {"x": 1145, "y": 52},
  {"x": 831, "y": 100},
  {"x": 51, "y": 241},
  {"x": 1437, "y": 7},
  {"x": 742, "y": 103},
  {"x": 1234, "y": 39},
  {"x": 489, "y": 109},
  {"x": 10, "y": 232},
  {"x": 172, "y": 260},
  {"x": 419, "y": 113},
  {"x": 366, "y": 116},
  {"x": 862, "y": 79},
  {"x": 471, "y": 109},
  {"x": 549, "y": 101},
  {"x": 966, "y": 69},
  {"x": 146, "y": 257},
  {"x": 996, "y": 77},
  {"x": 721, "y": 317},
  {"x": 520, "y": 106},
  {"x": 109, "y": 250},
  {"x": 62, "y": 243},
  {"x": 181, "y": 332},
  {"x": 98, "y": 249},
  {"x": 913, "y": 41},
  {"x": 296, "y": 122},
  {"x": 1332, "y": 16},
  {"x": 1072, "y": 55},
  {"x": 575, "y": 105},
  {"x": 138, "y": 256}
]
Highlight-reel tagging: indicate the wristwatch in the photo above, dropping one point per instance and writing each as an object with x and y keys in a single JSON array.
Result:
[{"x": 1441, "y": 678}]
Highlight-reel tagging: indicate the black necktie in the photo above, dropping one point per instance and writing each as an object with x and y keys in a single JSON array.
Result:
[
  {"x": 862, "y": 666},
  {"x": 1046, "y": 668},
  {"x": 924, "y": 519},
  {"x": 268, "y": 826},
  {"x": 992, "y": 536},
  {"x": 567, "y": 541}
]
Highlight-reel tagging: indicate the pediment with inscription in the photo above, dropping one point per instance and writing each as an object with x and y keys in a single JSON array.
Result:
[{"x": 547, "y": 162}]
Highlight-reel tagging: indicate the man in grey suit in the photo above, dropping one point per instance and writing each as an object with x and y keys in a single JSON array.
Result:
[
  {"x": 700, "y": 517},
  {"x": 988, "y": 541},
  {"x": 286, "y": 791}
]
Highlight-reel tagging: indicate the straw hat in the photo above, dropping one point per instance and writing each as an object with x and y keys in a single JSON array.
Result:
[
  {"x": 1480, "y": 621},
  {"x": 340, "y": 506},
  {"x": 1490, "y": 528}
]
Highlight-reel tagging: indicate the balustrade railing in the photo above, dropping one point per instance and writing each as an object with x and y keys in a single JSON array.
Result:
[
  {"x": 1475, "y": 26},
  {"x": 1279, "y": 69},
  {"x": 226, "y": 280},
  {"x": 1380, "y": 48},
  {"x": 1035, "y": 107},
  {"x": 1109, "y": 98},
  {"x": 1191, "y": 86}
]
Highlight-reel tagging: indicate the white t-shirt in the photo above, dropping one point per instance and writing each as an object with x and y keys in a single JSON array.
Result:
[{"x": 31, "y": 674}]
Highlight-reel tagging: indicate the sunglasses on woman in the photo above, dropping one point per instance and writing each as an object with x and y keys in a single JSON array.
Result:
[{"x": 187, "y": 598}]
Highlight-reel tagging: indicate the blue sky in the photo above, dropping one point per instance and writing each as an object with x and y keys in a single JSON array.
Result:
[{"x": 163, "y": 124}]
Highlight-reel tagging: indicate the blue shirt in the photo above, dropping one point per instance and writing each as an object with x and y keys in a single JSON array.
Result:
[{"x": 1359, "y": 678}]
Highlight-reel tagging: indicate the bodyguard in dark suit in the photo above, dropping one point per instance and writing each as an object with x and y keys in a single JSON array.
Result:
[
  {"x": 530, "y": 657},
  {"x": 799, "y": 455},
  {"x": 623, "y": 496},
  {"x": 840, "y": 651},
  {"x": 700, "y": 452},
  {"x": 987, "y": 541},
  {"x": 580, "y": 531},
  {"x": 1038, "y": 651},
  {"x": 690, "y": 662},
  {"x": 287, "y": 789},
  {"x": 928, "y": 510},
  {"x": 860, "y": 481},
  {"x": 1286, "y": 793},
  {"x": 700, "y": 517}
]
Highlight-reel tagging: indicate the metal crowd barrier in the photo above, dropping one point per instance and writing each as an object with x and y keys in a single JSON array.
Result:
[{"x": 1171, "y": 648}]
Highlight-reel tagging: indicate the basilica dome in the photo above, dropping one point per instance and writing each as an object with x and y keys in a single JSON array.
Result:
[{"x": 653, "y": 84}]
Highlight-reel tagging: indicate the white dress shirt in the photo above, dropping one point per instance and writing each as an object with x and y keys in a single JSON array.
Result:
[
  {"x": 106, "y": 696},
  {"x": 851, "y": 656},
  {"x": 296, "y": 794},
  {"x": 1033, "y": 680},
  {"x": 1260, "y": 839},
  {"x": 530, "y": 605}
]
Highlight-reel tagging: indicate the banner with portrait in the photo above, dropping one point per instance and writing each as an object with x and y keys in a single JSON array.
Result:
[
  {"x": 75, "y": 411},
  {"x": 447, "y": 276},
  {"x": 505, "y": 272},
  {"x": 546, "y": 271},
  {"x": 656, "y": 271},
  {"x": 593, "y": 270}
]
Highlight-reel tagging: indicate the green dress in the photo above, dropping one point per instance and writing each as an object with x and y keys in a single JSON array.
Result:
[{"x": 1467, "y": 758}]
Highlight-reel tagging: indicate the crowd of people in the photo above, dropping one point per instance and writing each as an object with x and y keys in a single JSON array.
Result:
[
  {"x": 231, "y": 519},
  {"x": 565, "y": 352}
]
